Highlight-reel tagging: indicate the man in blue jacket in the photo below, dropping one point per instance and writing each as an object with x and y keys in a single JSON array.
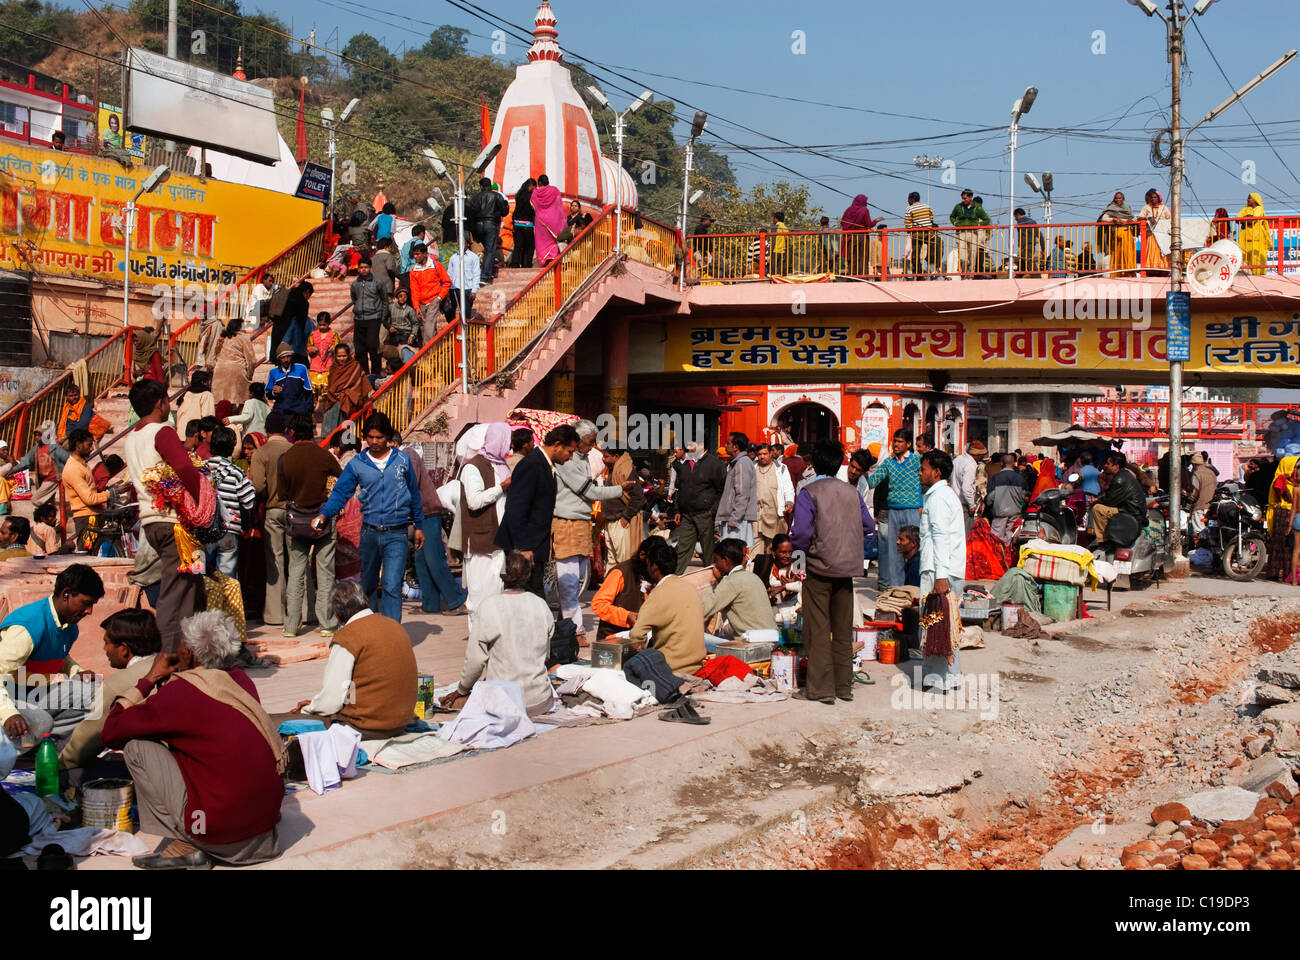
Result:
[{"x": 390, "y": 502}]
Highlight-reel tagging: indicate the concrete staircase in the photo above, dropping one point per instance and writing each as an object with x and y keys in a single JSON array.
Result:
[
  {"x": 634, "y": 284},
  {"x": 493, "y": 298},
  {"x": 327, "y": 294}
]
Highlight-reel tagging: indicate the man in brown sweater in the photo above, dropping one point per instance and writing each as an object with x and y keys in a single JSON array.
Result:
[
  {"x": 369, "y": 681},
  {"x": 305, "y": 474},
  {"x": 827, "y": 513},
  {"x": 672, "y": 610}
]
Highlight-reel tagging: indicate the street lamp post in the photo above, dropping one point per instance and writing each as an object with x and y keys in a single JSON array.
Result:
[
  {"x": 697, "y": 128},
  {"x": 161, "y": 174},
  {"x": 619, "y": 129},
  {"x": 1018, "y": 110},
  {"x": 480, "y": 164},
  {"x": 1045, "y": 189},
  {"x": 1174, "y": 25},
  {"x": 327, "y": 120},
  {"x": 927, "y": 163}
]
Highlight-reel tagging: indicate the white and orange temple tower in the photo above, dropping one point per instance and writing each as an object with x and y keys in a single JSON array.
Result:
[{"x": 544, "y": 127}]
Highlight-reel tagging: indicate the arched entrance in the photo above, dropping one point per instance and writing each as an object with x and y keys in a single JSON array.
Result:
[
  {"x": 808, "y": 422},
  {"x": 912, "y": 420}
]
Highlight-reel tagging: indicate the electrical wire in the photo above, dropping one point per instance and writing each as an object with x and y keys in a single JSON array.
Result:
[{"x": 1233, "y": 87}]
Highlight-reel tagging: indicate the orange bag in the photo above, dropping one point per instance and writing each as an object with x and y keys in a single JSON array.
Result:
[{"x": 98, "y": 427}]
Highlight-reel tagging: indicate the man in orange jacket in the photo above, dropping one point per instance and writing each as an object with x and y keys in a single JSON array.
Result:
[{"x": 429, "y": 284}]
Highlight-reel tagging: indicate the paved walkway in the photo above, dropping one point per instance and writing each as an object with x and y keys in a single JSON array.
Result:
[{"x": 325, "y": 830}]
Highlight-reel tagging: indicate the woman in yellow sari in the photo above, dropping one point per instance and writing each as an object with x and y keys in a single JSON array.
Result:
[
  {"x": 1281, "y": 507},
  {"x": 1117, "y": 241},
  {"x": 1254, "y": 238},
  {"x": 1154, "y": 211}
]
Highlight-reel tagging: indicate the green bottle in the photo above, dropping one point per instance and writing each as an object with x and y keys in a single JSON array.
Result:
[{"x": 47, "y": 767}]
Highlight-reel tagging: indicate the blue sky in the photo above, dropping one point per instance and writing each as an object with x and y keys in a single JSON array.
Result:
[{"x": 955, "y": 65}]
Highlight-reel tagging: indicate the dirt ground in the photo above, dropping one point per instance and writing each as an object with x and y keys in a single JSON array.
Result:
[
  {"x": 1055, "y": 756},
  {"x": 1119, "y": 717}
]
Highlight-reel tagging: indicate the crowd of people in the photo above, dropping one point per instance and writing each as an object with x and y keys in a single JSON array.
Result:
[
  {"x": 783, "y": 531},
  {"x": 1121, "y": 243}
]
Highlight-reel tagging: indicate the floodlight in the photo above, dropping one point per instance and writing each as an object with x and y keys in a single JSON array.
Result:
[
  {"x": 432, "y": 160},
  {"x": 161, "y": 174},
  {"x": 487, "y": 156}
]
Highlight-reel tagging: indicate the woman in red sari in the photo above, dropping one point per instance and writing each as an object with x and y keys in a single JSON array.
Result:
[{"x": 1047, "y": 478}]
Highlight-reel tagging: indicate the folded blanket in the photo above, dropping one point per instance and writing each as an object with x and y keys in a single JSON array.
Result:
[{"x": 409, "y": 749}]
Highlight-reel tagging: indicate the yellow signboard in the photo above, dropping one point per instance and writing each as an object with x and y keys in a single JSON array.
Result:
[
  {"x": 1257, "y": 344},
  {"x": 64, "y": 213}
]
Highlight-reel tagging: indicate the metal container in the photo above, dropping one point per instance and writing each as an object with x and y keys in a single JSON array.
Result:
[
  {"x": 1011, "y": 615},
  {"x": 867, "y": 636},
  {"x": 612, "y": 654},
  {"x": 424, "y": 698},
  {"x": 108, "y": 805},
  {"x": 746, "y": 652}
]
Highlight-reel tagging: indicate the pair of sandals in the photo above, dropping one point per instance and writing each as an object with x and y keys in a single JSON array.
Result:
[{"x": 683, "y": 711}]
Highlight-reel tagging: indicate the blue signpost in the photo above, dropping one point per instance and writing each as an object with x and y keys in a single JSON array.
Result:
[{"x": 1178, "y": 326}]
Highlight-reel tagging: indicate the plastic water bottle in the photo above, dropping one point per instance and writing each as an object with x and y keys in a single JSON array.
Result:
[{"x": 47, "y": 767}]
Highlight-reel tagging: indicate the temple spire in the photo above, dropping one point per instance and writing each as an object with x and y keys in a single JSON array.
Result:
[{"x": 544, "y": 45}]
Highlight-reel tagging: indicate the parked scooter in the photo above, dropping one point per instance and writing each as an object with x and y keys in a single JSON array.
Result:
[
  {"x": 1138, "y": 554},
  {"x": 1234, "y": 533},
  {"x": 1047, "y": 518}
]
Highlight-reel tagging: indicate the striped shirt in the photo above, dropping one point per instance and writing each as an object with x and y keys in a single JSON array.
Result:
[
  {"x": 904, "y": 480},
  {"x": 234, "y": 490},
  {"x": 918, "y": 215}
]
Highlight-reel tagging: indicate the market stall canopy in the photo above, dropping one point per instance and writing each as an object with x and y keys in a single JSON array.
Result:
[{"x": 1074, "y": 435}]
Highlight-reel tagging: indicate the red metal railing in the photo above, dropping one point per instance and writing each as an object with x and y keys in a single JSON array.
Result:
[
  {"x": 107, "y": 367},
  {"x": 1150, "y": 419},
  {"x": 1039, "y": 250},
  {"x": 294, "y": 262},
  {"x": 56, "y": 117},
  {"x": 433, "y": 373}
]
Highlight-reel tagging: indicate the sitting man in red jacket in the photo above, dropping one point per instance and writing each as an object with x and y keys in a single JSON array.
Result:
[{"x": 205, "y": 757}]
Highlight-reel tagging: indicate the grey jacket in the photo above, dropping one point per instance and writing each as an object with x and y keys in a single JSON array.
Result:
[
  {"x": 384, "y": 268},
  {"x": 740, "y": 494},
  {"x": 575, "y": 491},
  {"x": 368, "y": 300}
]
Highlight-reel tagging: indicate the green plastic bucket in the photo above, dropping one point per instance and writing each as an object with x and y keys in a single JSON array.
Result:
[{"x": 1061, "y": 601}]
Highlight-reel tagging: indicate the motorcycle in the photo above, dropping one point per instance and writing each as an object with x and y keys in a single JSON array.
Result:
[
  {"x": 1234, "y": 533},
  {"x": 1138, "y": 554},
  {"x": 1047, "y": 518}
]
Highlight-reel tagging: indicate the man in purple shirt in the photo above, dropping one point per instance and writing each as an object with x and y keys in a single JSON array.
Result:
[{"x": 824, "y": 531}]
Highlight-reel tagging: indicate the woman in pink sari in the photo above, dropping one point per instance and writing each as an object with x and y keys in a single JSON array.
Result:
[
  {"x": 853, "y": 246},
  {"x": 549, "y": 218}
]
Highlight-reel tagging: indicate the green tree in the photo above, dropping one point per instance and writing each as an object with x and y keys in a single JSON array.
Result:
[
  {"x": 446, "y": 42},
  {"x": 36, "y": 17},
  {"x": 380, "y": 65},
  {"x": 743, "y": 211},
  {"x": 225, "y": 34}
]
